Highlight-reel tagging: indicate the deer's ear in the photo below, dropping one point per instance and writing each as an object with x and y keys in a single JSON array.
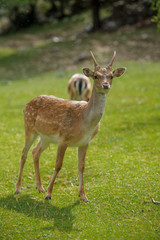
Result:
[
  {"x": 118, "y": 72},
  {"x": 87, "y": 72}
]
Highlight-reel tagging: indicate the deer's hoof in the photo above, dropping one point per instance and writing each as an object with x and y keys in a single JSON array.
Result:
[
  {"x": 17, "y": 192},
  {"x": 48, "y": 198},
  {"x": 40, "y": 189},
  {"x": 84, "y": 198}
]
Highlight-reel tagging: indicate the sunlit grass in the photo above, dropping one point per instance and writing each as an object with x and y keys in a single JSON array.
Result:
[
  {"x": 6, "y": 52},
  {"x": 122, "y": 164}
]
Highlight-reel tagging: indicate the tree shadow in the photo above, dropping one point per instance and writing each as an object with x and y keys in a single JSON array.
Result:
[
  {"x": 32, "y": 61},
  {"x": 62, "y": 217}
]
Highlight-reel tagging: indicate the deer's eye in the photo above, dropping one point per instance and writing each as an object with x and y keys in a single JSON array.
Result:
[
  {"x": 111, "y": 77},
  {"x": 95, "y": 77}
]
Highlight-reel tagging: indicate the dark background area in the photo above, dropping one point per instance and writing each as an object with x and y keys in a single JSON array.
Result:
[{"x": 17, "y": 14}]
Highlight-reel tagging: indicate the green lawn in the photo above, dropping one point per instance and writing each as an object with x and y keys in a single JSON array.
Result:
[{"x": 122, "y": 165}]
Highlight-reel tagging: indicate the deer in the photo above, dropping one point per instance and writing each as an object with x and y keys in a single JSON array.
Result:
[
  {"x": 79, "y": 87},
  {"x": 66, "y": 123}
]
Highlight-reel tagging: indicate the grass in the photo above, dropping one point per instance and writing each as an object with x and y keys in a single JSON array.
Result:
[{"x": 122, "y": 164}]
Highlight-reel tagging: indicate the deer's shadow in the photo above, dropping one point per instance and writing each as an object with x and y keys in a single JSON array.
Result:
[{"x": 61, "y": 217}]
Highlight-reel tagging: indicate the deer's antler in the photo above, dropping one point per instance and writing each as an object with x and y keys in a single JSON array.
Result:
[
  {"x": 96, "y": 65},
  {"x": 112, "y": 60}
]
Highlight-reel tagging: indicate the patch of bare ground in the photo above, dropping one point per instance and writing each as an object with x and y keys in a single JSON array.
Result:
[{"x": 55, "y": 49}]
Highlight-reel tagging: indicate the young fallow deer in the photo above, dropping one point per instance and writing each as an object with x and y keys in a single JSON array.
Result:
[
  {"x": 79, "y": 87},
  {"x": 67, "y": 123}
]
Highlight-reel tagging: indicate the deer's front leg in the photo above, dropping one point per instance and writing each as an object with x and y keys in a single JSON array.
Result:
[
  {"x": 59, "y": 161},
  {"x": 81, "y": 165}
]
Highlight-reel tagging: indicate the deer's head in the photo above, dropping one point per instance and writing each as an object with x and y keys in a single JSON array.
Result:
[{"x": 103, "y": 76}]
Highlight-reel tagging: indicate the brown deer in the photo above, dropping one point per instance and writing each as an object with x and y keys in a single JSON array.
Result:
[
  {"x": 67, "y": 123},
  {"x": 79, "y": 87}
]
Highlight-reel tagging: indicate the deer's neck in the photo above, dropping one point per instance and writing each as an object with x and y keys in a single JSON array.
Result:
[{"x": 96, "y": 106}]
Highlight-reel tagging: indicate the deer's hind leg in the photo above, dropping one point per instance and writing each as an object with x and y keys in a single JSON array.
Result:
[
  {"x": 29, "y": 139},
  {"x": 41, "y": 146}
]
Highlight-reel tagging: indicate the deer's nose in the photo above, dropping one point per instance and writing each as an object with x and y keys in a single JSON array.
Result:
[{"x": 105, "y": 86}]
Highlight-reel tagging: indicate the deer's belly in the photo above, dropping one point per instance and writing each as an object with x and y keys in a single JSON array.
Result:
[
  {"x": 50, "y": 139},
  {"x": 78, "y": 140}
]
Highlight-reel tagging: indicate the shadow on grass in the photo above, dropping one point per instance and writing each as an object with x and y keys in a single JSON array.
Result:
[
  {"x": 33, "y": 61},
  {"x": 23, "y": 64},
  {"x": 62, "y": 217}
]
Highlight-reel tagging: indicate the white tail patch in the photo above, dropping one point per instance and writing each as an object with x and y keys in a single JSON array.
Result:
[{"x": 79, "y": 87}]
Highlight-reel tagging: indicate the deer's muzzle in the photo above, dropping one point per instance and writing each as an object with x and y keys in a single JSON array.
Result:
[{"x": 105, "y": 86}]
